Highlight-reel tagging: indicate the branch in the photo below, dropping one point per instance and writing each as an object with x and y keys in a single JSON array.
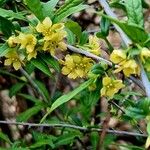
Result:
[
  {"x": 63, "y": 125},
  {"x": 109, "y": 12},
  {"x": 127, "y": 42},
  {"x": 77, "y": 50},
  {"x": 33, "y": 83}
]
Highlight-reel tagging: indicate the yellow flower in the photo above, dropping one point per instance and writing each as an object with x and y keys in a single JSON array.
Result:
[
  {"x": 93, "y": 46},
  {"x": 76, "y": 66},
  {"x": 13, "y": 58},
  {"x": 31, "y": 55},
  {"x": 117, "y": 56},
  {"x": 27, "y": 41},
  {"x": 47, "y": 29},
  {"x": 56, "y": 42},
  {"x": 128, "y": 67},
  {"x": 12, "y": 41},
  {"x": 53, "y": 35},
  {"x": 145, "y": 53},
  {"x": 111, "y": 87}
]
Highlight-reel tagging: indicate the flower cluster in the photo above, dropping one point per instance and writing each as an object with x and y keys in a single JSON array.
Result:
[
  {"x": 76, "y": 65},
  {"x": 111, "y": 86},
  {"x": 53, "y": 35},
  {"x": 128, "y": 66},
  {"x": 25, "y": 46}
]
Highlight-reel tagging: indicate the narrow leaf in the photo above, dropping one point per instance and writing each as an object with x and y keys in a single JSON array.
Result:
[
  {"x": 10, "y": 14},
  {"x": 43, "y": 89},
  {"x": 75, "y": 28},
  {"x": 4, "y": 49},
  {"x": 29, "y": 97},
  {"x": 38, "y": 63},
  {"x": 16, "y": 88},
  {"x": 6, "y": 27},
  {"x": 42, "y": 142},
  {"x": 29, "y": 113},
  {"x": 5, "y": 138},
  {"x": 70, "y": 11},
  {"x": 36, "y": 7},
  {"x": 49, "y": 60},
  {"x": 65, "y": 98}
]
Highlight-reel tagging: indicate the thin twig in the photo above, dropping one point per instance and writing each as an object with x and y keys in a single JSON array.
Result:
[
  {"x": 127, "y": 42},
  {"x": 109, "y": 12},
  {"x": 77, "y": 50},
  {"x": 63, "y": 125},
  {"x": 113, "y": 103},
  {"x": 33, "y": 83}
]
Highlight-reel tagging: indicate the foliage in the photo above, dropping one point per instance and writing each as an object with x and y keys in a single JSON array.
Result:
[{"x": 76, "y": 93}]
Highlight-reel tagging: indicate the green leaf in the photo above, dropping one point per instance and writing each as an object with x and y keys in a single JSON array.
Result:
[
  {"x": 69, "y": 11},
  {"x": 29, "y": 97},
  {"x": 4, "y": 49},
  {"x": 118, "y": 4},
  {"x": 104, "y": 25},
  {"x": 135, "y": 12},
  {"x": 51, "y": 4},
  {"x": 65, "y": 98},
  {"x": 16, "y": 88},
  {"x": 71, "y": 39},
  {"x": 5, "y": 138},
  {"x": 83, "y": 38},
  {"x": 49, "y": 60},
  {"x": 29, "y": 67},
  {"x": 43, "y": 89},
  {"x": 36, "y": 7},
  {"x": 29, "y": 113},
  {"x": 68, "y": 4},
  {"x": 66, "y": 139},
  {"x": 75, "y": 28},
  {"x": 38, "y": 63},
  {"x": 10, "y": 14},
  {"x": 134, "y": 32},
  {"x": 49, "y": 7},
  {"x": 41, "y": 143},
  {"x": 135, "y": 113},
  {"x": 94, "y": 139},
  {"x": 2, "y": 2},
  {"x": 6, "y": 27}
]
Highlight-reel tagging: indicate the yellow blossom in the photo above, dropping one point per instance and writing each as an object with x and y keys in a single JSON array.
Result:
[
  {"x": 93, "y": 46},
  {"x": 12, "y": 41},
  {"x": 145, "y": 53},
  {"x": 111, "y": 87},
  {"x": 47, "y": 29},
  {"x": 117, "y": 56},
  {"x": 76, "y": 66},
  {"x": 27, "y": 41},
  {"x": 53, "y": 35},
  {"x": 128, "y": 67},
  {"x": 52, "y": 45},
  {"x": 13, "y": 58},
  {"x": 31, "y": 55}
]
